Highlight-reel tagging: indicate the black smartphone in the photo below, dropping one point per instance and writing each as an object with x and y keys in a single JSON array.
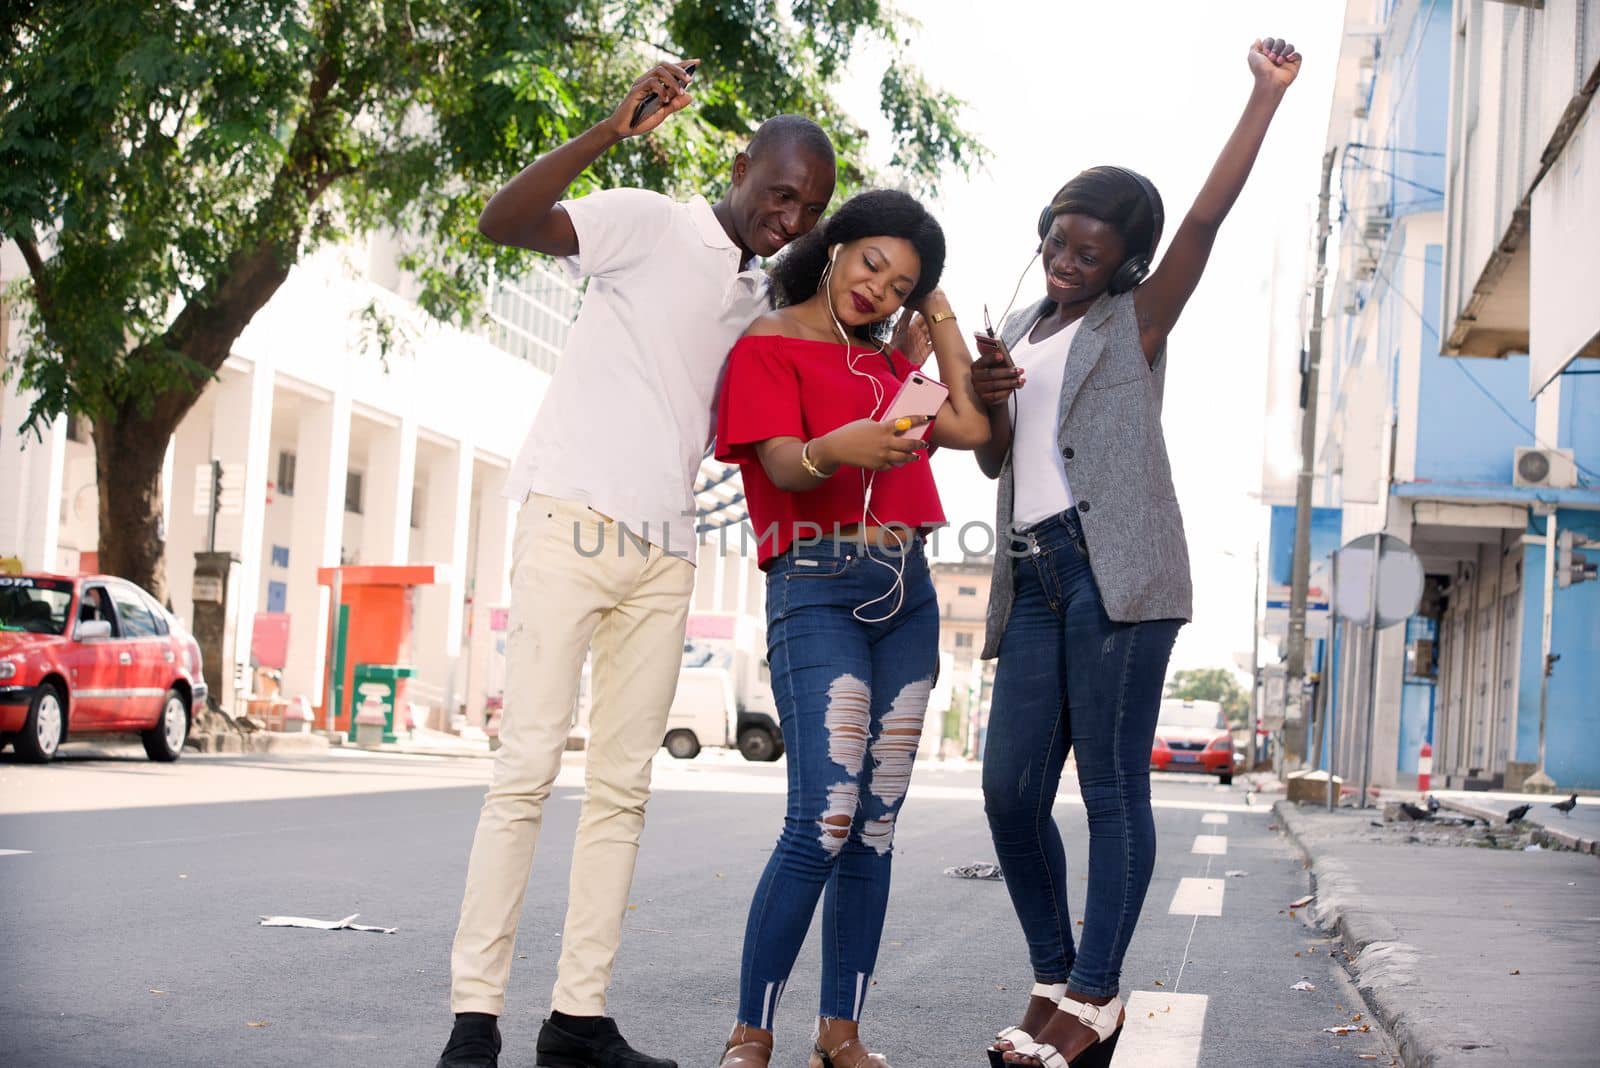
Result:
[{"x": 652, "y": 103}]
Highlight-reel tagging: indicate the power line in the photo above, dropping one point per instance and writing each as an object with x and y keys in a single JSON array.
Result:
[
  {"x": 1458, "y": 365},
  {"x": 1395, "y": 177},
  {"x": 1405, "y": 151}
]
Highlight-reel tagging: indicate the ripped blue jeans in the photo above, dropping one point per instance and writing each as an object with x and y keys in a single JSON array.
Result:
[{"x": 851, "y": 698}]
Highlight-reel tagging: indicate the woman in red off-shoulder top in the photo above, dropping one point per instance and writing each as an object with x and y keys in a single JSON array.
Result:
[{"x": 840, "y": 499}]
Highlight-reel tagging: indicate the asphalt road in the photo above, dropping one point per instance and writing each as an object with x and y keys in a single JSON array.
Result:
[{"x": 129, "y": 933}]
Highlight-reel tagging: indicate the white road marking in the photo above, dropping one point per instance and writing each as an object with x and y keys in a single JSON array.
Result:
[
  {"x": 1197, "y": 897},
  {"x": 1194, "y": 926},
  {"x": 1210, "y": 845},
  {"x": 15, "y": 852},
  {"x": 1214, "y": 817},
  {"x": 1163, "y": 1030}
]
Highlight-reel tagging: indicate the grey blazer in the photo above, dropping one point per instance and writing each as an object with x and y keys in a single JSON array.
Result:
[{"x": 1109, "y": 432}]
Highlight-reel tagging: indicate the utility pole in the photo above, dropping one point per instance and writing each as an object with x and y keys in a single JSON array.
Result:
[
  {"x": 1301, "y": 579},
  {"x": 1255, "y": 660}
]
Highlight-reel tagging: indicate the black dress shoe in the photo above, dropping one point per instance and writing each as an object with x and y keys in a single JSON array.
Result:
[
  {"x": 474, "y": 1043},
  {"x": 601, "y": 1046}
]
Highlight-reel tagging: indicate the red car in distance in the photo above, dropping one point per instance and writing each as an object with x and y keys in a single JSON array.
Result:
[
  {"x": 1193, "y": 736},
  {"x": 92, "y": 654}
]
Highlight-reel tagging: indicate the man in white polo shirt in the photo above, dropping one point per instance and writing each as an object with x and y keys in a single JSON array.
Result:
[{"x": 605, "y": 540}]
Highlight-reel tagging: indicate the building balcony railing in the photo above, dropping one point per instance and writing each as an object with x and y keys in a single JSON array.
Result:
[{"x": 530, "y": 316}]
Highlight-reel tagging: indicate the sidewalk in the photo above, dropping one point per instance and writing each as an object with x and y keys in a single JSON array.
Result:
[
  {"x": 1578, "y": 829},
  {"x": 1468, "y": 956},
  {"x": 425, "y": 742}
]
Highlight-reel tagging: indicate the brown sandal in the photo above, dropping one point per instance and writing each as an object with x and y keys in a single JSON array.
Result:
[{"x": 748, "y": 1047}]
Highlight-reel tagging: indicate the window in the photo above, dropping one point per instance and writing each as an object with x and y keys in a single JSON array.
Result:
[
  {"x": 286, "y": 473},
  {"x": 967, "y": 591},
  {"x": 96, "y": 605},
  {"x": 137, "y": 621},
  {"x": 157, "y": 613},
  {"x": 34, "y": 605},
  {"x": 964, "y": 640},
  {"x": 352, "y": 492}
]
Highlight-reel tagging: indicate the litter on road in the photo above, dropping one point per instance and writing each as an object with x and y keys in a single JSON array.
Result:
[
  {"x": 1303, "y": 986},
  {"x": 345, "y": 924},
  {"x": 975, "y": 871}
]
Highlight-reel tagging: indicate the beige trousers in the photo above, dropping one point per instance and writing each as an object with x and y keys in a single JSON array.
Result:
[{"x": 630, "y": 607}]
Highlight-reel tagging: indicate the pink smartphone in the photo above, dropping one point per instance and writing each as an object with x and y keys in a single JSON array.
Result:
[{"x": 919, "y": 395}]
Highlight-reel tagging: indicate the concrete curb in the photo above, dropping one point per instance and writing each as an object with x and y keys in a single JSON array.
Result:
[
  {"x": 258, "y": 742},
  {"x": 1544, "y": 834},
  {"x": 1385, "y": 968},
  {"x": 432, "y": 751}
]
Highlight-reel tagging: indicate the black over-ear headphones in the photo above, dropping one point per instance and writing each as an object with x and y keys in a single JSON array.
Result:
[{"x": 1136, "y": 267}]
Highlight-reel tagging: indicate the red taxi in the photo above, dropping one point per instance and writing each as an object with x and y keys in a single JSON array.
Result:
[
  {"x": 92, "y": 654},
  {"x": 1193, "y": 736}
]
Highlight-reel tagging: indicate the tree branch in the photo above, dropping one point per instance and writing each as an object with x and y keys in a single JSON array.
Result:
[
  {"x": 30, "y": 253},
  {"x": 42, "y": 297},
  {"x": 205, "y": 330}
]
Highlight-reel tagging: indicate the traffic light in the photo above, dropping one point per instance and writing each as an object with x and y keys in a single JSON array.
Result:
[{"x": 1572, "y": 566}]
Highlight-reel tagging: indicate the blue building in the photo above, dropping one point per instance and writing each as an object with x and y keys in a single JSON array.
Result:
[{"x": 1463, "y": 414}]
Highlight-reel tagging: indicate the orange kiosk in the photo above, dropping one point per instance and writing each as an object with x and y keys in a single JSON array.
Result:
[{"x": 369, "y": 624}]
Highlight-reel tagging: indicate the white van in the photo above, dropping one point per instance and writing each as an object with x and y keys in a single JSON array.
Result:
[
  {"x": 704, "y": 713},
  {"x": 700, "y": 717}
]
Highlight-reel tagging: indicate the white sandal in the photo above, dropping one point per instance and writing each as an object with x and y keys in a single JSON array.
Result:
[
  {"x": 1052, "y": 992},
  {"x": 1104, "y": 1020}
]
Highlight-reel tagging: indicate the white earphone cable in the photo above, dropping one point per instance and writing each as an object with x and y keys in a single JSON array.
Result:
[{"x": 898, "y": 590}]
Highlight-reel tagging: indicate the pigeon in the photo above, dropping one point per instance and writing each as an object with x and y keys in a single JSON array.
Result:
[
  {"x": 1517, "y": 813},
  {"x": 1413, "y": 812},
  {"x": 1433, "y": 803},
  {"x": 1566, "y": 807}
]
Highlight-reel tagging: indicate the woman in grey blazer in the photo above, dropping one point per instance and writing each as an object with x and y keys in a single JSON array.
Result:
[{"x": 1088, "y": 601}]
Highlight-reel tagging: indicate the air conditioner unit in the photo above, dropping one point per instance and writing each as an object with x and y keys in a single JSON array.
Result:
[
  {"x": 1375, "y": 225},
  {"x": 1549, "y": 468}
]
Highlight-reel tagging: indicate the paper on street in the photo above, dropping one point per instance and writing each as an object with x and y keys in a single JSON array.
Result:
[
  {"x": 975, "y": 871},
  {"x": 324, "y": 925}
]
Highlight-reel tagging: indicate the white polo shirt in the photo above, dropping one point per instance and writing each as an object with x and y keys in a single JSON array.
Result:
[{"x": 627, "y": 418}]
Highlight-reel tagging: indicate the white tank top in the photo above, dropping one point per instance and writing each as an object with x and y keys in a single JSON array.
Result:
[{"x": 1042, "y": 489}]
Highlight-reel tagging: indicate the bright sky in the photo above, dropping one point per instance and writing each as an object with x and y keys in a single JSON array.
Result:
[{"x": 1155, "y": 85}]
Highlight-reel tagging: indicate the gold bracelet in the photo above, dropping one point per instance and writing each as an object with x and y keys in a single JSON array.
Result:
[
  {"x": 811, "y": 469},
  {"x": 939, "y": 317}
]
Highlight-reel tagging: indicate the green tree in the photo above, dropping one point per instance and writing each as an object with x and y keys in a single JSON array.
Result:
[
  {"x": 1212, "y": 684},
  {"x": 164, "y": 165}
]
